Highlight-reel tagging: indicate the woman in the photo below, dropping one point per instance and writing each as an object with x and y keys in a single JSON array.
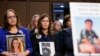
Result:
[
  {"x": 16, "y": 46},
  {"x": 44, "y": 33},
  {"x": 57, "y": 26},
  {"x": 10, "y": 27},
  {"x": 34, "y": 25}
]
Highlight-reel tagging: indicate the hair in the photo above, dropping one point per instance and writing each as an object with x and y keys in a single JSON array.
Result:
[
  {"x": 20, "y": 45},
  {"x": 34, "y": 16},
  {"x": 5, "y": 21},
  {"x": 40, "y": 25},
  {"x": 66, "y": 19},
  {"x": 88, "y": 20},
  {"x": 56, "y": 23}
]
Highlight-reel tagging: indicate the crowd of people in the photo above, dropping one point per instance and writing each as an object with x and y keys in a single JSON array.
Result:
[{"x": 42, "y": 29}]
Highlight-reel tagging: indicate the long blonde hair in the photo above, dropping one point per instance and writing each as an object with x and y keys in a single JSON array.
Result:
[{"x": 20, "y": 45}]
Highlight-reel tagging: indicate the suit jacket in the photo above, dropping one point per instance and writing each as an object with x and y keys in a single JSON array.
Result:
[{"x": 64, "y": 43}]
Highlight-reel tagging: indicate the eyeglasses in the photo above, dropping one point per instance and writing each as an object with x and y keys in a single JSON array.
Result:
[{"x": 11, "y": 17}]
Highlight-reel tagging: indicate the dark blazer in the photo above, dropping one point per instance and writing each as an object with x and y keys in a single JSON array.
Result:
[{"x": 64, "y": 43}]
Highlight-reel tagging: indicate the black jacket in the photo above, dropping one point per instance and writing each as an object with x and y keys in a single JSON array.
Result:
[
  {"x": 35, "y": 42},
  {"x": 64, "y": 43}
]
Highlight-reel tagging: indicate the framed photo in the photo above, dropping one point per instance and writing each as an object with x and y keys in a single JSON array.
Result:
[
  {"x": 85, "y": 19},
  {"x": 47, "y": 48},
  {"x": 15, "y": 43}
]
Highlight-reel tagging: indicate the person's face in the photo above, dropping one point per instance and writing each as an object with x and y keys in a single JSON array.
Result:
[
  {"x": 69, "y": 23},
  {"x": 15, "y": 43},
  {"x": 45, "y": 23},
  {"x": 35, "y": 21},
  {"x": 88, "y": 25},
  {"x": 12, "y": 20},
  {"x": 58, "y": 26}
]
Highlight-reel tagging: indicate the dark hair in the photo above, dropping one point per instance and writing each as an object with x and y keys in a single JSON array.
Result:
[
  {"x": 5, "y": 21},
  {"x": 40, "y": 25},
  {"x": 66, "y": 19},
  {"x": 88, "y": 20}
]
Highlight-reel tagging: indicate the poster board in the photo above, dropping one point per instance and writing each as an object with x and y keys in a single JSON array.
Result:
[{"x": 80, "y": 13}]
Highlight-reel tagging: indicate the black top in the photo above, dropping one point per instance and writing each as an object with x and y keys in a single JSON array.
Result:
[
  {"x": 36, "y": 38},
  {"x": 90, "y": 35},
  {"x": 64, "y": 43}
]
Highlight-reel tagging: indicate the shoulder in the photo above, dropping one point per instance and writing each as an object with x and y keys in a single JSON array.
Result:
[
  {"x": 23, "y": 30},
  {"x": 31, "y": 31},
  {"x": 93, "y": 31},
  {"x": 66, "y": 30},
  {"x": 83, "y": 31},
  {"x": 2, "y": 30},
  {"x": 60, "y": 35}
]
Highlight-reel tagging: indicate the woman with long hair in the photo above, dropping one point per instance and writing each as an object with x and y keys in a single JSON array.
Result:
[
  {"x": 16, "y": 45},
  {"x": 44, "y": 33},
  {"x": 11, "y": 27}
]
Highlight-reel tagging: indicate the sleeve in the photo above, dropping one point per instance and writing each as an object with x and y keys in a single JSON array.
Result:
[
  {"x": 59, "y": 44},
  {"x": 68, "y": 43},
  {"x": 2, "y": 43},
  {"x": 28, "y": 42},
  {"x": 1, "y": 46},
  {"x": 35, "y": 45}
]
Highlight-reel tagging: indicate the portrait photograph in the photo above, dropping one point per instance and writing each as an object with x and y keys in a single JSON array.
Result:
[
  {"x": 87, "y": 35},
  {"x": 15, "y": 43},
  {"x": 47, "y": 48},
  {"x": 85, "y": 29}
]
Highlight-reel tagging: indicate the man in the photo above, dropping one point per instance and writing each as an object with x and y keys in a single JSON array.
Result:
[
  {"x": 88, "y": 32},
  {"x": 87, "y": 43},
  {"x": 64, "y": 43}
]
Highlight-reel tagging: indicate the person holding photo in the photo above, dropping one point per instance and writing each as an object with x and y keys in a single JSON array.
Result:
[
  {"x": 16, "y": 46},
  {"x": 11, "y": 27},
  {"x": 44, "y": 33}
]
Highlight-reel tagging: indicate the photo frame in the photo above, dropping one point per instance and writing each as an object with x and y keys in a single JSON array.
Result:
[
  {"x": 47, "y": 48},
  {"x": 15, "y": 43}
]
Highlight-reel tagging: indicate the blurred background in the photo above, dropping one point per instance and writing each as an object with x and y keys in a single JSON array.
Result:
[{"x": 25, "y": 9}]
